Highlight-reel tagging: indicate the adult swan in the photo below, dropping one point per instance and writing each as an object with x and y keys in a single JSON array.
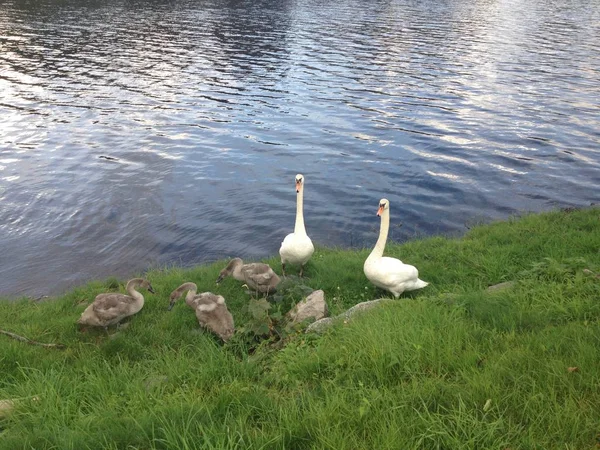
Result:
[
  {"x": 297, "y": 248},
  {"x": 390, "y": 273}
]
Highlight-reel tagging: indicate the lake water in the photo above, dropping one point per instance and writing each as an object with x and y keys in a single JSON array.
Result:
[{"x": 457, "y": 111}]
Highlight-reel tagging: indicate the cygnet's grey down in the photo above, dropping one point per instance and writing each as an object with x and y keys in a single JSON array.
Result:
[
  {"x": 110, "y": 309},
  {"x": 258, "y": 276},
  {"x": 211, "y": 310}
]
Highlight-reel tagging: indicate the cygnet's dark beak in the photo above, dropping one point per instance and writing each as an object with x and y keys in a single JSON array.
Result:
[
  {"x": 220, "y": 278},
  {"x": 151, "y": 290},
  {"x": 171, "y": 305}
]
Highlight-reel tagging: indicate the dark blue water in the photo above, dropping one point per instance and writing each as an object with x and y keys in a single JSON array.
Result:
[{"x": 457, "y": 111}]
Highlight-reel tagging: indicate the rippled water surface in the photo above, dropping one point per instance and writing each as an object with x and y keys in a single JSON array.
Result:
[{"x": 455, "y": 110}]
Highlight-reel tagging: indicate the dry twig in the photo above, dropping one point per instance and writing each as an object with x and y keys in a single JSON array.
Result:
[{"x": 29, "y": 341}]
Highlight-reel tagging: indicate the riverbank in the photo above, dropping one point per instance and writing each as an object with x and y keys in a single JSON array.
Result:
[{"x": 449, "y": 366}]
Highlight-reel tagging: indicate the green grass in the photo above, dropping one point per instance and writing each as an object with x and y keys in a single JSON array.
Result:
[{"x": 449, "y": 366}]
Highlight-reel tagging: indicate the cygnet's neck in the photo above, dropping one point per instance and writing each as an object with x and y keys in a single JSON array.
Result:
[
  {"x": 132, "y": 285},
  {"x": 192, "y": 290},
  {"x": 237, "y": 272}
]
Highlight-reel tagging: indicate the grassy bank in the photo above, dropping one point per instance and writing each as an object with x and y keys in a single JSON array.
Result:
[{"x": 449, "y": 366}]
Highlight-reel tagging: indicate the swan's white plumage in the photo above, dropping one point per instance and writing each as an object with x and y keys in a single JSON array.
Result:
[
  {"x": 388, "y": 273},
  {"x": 297, "y": 247},
  {"x": 393, "y": 275}
]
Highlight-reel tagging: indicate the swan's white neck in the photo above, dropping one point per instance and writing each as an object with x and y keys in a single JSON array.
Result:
[
  {"x": 299, "y": 227},
  {"x": 131, "y": 286},
  {"x": 383, "y": 234}
]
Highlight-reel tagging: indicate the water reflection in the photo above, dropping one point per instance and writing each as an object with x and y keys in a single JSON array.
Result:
[{"x": 452, "y": 109}]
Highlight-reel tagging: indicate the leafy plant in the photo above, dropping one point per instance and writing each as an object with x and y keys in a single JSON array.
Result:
[
  {"x": 265, "y": 325},
  {"x": 290, "y": 290},
  {"x": 260, "y": 323},
  {"x": 267, "y": 321}
]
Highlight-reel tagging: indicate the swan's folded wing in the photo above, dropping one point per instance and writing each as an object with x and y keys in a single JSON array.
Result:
[
  {"x": 397, "y": 272},
  {"x": 286, "y": 243},
  {"x": 108, "y": 307}
]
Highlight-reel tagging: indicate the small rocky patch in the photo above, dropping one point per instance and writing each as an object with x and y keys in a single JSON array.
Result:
[
  {"x": 501, "y": 286},
  {"x": 322, "y": 325},
  {"x": 312, "y": 307}
]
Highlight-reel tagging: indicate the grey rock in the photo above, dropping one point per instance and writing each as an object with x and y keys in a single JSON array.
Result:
[
  {"x": 501, "y": 286},
  {"x": 6, "y": 408},
  {"x": 364, "y": 306},
  {"x": 313, "y": 306},
  {"x": 321, "y": 325}
]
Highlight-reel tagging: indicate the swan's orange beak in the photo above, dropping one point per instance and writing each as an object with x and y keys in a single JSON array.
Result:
[
  {"x": 380, "y": 211},
  {"x": 298, "y": 186}
]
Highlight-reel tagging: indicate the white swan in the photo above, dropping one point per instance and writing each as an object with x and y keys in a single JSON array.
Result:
[
  {"x": 390, "y": 273},
  {"x": 297, "y": 248},
  {"x": 109, "y": 309}
]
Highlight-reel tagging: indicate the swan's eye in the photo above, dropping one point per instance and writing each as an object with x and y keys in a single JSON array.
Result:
[{"x": 382, "y": 205}]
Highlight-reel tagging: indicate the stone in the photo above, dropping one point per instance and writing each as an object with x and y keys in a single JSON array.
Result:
[
  {"x": 321, "y": 325},
  {"x": 501, "y": 286},
  {"x": 6, "y": 407},
  {"x": 312, "y": 307},
  {"x": 364, "y": 306}
]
